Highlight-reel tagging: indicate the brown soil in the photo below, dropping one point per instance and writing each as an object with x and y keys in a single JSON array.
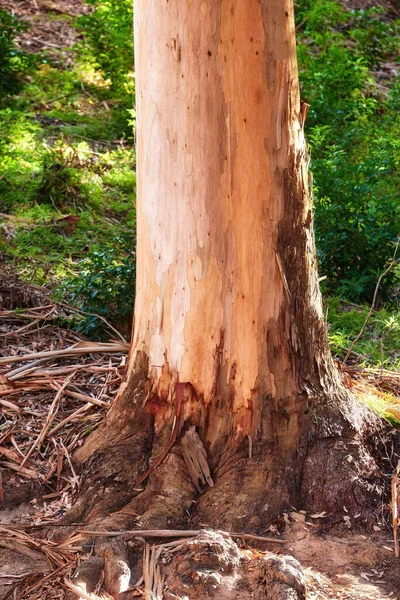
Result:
[{"x": 51, "y": 26}]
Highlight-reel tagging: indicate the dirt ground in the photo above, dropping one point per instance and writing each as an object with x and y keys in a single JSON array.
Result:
[{"x": 354, "y": 566}]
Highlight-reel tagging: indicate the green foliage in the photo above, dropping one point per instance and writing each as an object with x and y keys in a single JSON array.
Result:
[
  {"x": 109, "y": 31},
  {"x": 353, "y": 129},
  {"x": 13, "y": 62},
  {"x": 59, "y": 156},
  {"x": 108, "y": 44},
  {"x": 380, "y": 343},
  {"x": 105, "y": 285}
]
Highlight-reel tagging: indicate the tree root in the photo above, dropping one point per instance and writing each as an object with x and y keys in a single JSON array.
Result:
[{"x": 211, "y": 565}]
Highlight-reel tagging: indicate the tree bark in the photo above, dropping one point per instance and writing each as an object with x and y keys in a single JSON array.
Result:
[{"x": 229, "y": 338}]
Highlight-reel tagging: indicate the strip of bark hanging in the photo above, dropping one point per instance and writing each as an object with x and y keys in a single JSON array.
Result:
[
  {"x": 395, "y": 515},
  {"x": 153, "y": 580},
  {"x": 195, "y": 457}
]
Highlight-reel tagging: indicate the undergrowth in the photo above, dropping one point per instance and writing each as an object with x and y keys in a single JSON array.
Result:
[
  {"x": 380, "y": 343},
  {"x": 348, "y": 63},
  {"x": 67, "y": 178}
]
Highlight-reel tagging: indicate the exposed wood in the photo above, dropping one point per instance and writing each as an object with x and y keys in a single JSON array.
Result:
[
  {"x": 153, "y": 580},
  {"x": 195, "y": 457}
]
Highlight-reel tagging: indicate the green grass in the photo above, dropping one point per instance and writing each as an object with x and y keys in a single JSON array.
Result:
[
  {"x": 380, "y": 343},
  {"x": 66, "y": 148}
]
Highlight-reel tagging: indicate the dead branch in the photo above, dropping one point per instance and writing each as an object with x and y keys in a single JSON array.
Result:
[
  {"x": 92, "y": 348},
  {"x": 176, "y": 533}
]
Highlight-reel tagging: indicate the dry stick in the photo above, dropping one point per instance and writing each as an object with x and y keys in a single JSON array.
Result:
[
  {"x": 56, "y": 386},
  {"x": 20, "y": 330},
  {"x": 100, "y": 349},
  {"x": 22, "y": 471},
  {"x": 15, "y": 374},
  {"x": 49, "y": 419},
  {"x": 381, "y": 276},
  {"x": 71, "y": 417},
  {"x": 33, "y": 309},
  {"x": 89, "y": 399},
  {"x": 10, "y": 405},
  {"x": 177, "y": 533},
  {"x": 395, "y": 516},
  {"x": 44, "y": 43}
]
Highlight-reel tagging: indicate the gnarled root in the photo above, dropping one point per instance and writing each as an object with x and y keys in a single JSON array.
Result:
[{"x": 210, "y": 565}]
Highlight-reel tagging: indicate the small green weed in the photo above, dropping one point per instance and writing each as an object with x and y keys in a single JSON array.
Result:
[{"x": 380, "y": 344}]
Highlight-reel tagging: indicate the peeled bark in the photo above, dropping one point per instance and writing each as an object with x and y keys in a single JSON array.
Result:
[{"x": 229, "y": 335}]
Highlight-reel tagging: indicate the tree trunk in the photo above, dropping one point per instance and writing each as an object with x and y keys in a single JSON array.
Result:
[{"x": 230, "y": 391}]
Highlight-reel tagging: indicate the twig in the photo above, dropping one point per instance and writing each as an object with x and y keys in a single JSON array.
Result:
[
  {"x": 20, "y": 330},
  {"x": 101, "y": 142},
  {"x": 177, "y": 533},
  {"x": 74, "y": 415},
  {"x": 10, "y": 405},
  {"x": 378, "y": 283},
  {"x": 80, "y": 592},
  {"x": 55, "y": 385},
  {"x": 86, "y": 398},
  {"x": 61, "y": 97},
  {"x": 356, "y": 354},
  {"x": 44, "y": 43},
  {"x": 395, "y": 516},
  {"x": 13, "y": 375},
  {"x": 49, "y": 419},
  {"x": 99, "y": 349}
]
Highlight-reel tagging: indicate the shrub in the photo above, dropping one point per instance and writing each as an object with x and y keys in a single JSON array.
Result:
[
  {"x": 353, "y": 131},
  {"x": 13, "y": 62},
  {"x": 104, "y": 285},
  {"x": 109, "y": 31}
]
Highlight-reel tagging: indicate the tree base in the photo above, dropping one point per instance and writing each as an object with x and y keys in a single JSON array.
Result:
[
  {"x": 134, "y": 476},
  {"x": 137, "y": 477}
]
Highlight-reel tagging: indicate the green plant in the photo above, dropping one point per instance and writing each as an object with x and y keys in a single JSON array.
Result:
[
  {"x": 104, "y": 285},
  {"x": 13, "y": 62},
  {"x": 109, "y": 31},
  {"x": 380, "y": 344},
  {"x": 108, "y": 44},
  {"x": 354, "y": 133}
]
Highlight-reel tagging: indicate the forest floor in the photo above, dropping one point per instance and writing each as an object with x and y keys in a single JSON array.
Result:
[{"x": 49, "y": 405}]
